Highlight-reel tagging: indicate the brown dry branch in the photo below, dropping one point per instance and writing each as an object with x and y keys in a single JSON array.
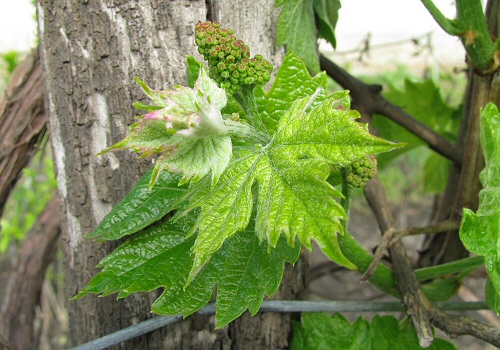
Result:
[
  {"x": 25, "y": 283},
  {"x": 406, "y": 280},
  {"x": 23, "y": 122}
]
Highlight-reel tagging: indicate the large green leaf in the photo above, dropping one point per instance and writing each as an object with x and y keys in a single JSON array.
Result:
[
  {"x": 321, "y": 331},
  {"x": 297, "y": 29},
  {"x": 479, "y": 231},
  {"x": 242, "y": 269},
  {"x": 155, "y": 257},
  {"x": 292, "y": 82},
  {"x": 141, "y": 207},
  {"x": 293, "y": 196},
  {"x": 225, "y": 210}
]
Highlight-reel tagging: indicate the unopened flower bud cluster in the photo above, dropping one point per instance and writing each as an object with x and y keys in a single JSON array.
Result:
[
  {"x": 229, "y": 58},
  {"x": 361, "y": 171}
]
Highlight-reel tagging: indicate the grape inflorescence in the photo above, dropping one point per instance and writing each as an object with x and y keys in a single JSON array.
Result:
[{"x": 229, "y": 58}]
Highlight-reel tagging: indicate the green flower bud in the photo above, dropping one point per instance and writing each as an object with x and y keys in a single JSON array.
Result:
[
  {"x": 249, "y": 80},
  {"x": 361, "y": 171}
]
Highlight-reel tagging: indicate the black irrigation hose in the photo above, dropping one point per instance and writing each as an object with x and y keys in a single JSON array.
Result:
[{"x": 267, "y": 306}]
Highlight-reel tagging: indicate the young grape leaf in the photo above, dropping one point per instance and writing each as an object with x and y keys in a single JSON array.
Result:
[
  {"x": 242, "y": 269},
  {"x": 225, "y": 210},
  {"x": 196, "y": 157},
  {"x": 321, "y": 331},
  {"x": 188, "y": 131},
  {"x": 297, "y": 29},
  {"x": 292, "y": 82},
  {"x": 293, "y": 196},
  {"x": 479, "y": 231},
  {"x": 141, "y": 207}
]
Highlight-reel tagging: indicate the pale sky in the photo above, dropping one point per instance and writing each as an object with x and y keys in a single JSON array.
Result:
[
  {"x": 357, "y": 18},
  {"x": 17, "y": 26}
]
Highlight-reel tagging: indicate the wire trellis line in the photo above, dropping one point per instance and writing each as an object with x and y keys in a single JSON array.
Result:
[{"x": 281, "y": 306}]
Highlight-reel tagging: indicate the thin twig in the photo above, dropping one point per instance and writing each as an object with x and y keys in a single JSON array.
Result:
[
  {"x": 441, "y": 227},
  {"x": 393, "y": 235},
  {"x": 387, "y": 240},
  {"x": 367, "y": 99}
]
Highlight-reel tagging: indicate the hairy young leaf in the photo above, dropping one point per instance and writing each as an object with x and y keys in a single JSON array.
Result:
[
  {"x": 187, "y": 129},
  {"x": 197, "y": 157},
  {"x": 141, "y": 207},
  {"x": 293, "y": 196},
  {"x": 292, "y": 82},
  {"x": 297, "y": 29},
  {"x": 479, "y": 231},
  {"x": 146, "y": 137},
  {"x": 321, "y": 331},
  {"x": 242, "y": 269}
]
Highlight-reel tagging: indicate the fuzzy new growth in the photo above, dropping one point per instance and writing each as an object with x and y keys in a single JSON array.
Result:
[
  {"x": 361, "y": 171},
  {"x": 229, "y": 58}
]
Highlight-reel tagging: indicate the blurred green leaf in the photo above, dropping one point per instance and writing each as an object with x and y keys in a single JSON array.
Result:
[
  {"x": 328, "y": 15},
  {"x": 11, "y": 58},
  {"x": 435, "y": 173},
  {"x": 423, "y": 101}
]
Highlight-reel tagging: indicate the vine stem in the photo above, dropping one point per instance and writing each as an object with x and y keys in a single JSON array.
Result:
[
  {"x": 472, "y": 29},
  {"x": 246, "y": 99},
  {"x": 345, "y": 202},
  {"x": 446, "y": 24}
]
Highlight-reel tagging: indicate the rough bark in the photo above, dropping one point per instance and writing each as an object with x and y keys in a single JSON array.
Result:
[
  {"x": 23, "y": 120},
  {"x": 91, "y": 51},
  {"x": 25, "y": 283}
]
